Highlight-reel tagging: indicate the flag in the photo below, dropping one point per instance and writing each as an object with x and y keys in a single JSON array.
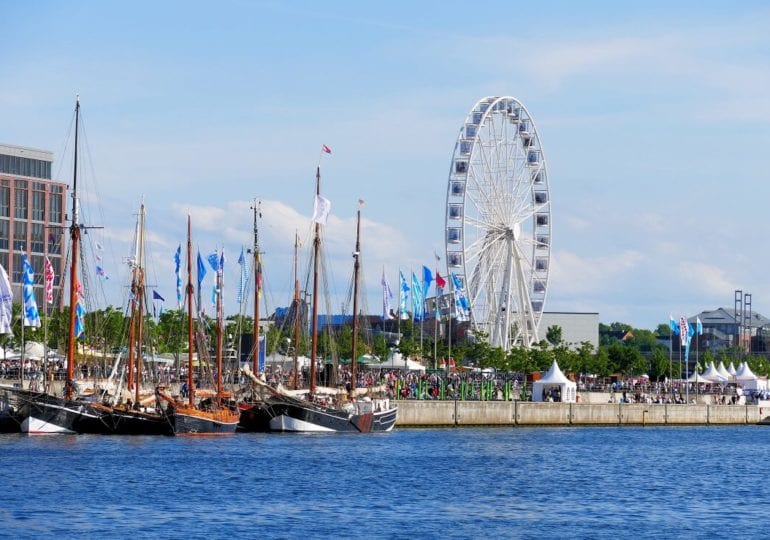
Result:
[
  {"x": 673, "y": 325},
  {"x": 80, "y": 313},
  {"x": 201, "y": 275},
  {"x": 31, "y": 315},
  {"x": 462, "y": 306},
  {"x": 387, "y": 296},
  {"x": 698, "y": 326},
  {"x": 683, "y": 331},
  {"x": 6, "y": 303},
  {"x": 98, "y": 246},
  {"x": 418, "y": 302},
  {"x": 99, "y": 271},
  {"x": 427, "y": 279},
  {"x": 321, "y": 209},
  {"x": 177, "y": 264},
  {"x": 49, "y": 276},
  {"x": 156, "y": 296},
  {"x": 403, "y": 298},
  {"x": 222, "y": 260},
  {"x": 214, "y": 261},
  {"x": 440, "y": 284},
  {"x": 326, "y": 149},
  {"x": 242, "y": 280}
]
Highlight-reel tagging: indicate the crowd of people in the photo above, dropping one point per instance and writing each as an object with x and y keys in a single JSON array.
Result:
[{"x": 400, "y": 384}]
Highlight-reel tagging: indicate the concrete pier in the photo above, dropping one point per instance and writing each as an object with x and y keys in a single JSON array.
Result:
[{"x": 526, "y": 413}]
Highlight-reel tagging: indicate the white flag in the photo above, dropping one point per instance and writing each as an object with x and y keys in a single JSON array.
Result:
[
  {"x": 321, "y": 209},
  {"x": 6, "y": 303}
]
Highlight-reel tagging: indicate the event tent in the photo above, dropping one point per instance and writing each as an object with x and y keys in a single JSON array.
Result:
[
  {"x": 554, "y": 379},
  {"x": 713, "y": 375},
  {"x": 723, "y": 371},
  {"x": 744, "y": 373}
]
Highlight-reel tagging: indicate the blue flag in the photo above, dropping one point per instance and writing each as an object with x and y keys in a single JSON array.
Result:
[
  {"x": 214, "y": 261},
  {"x": 403, "y": 300},
  {"x": 418, "y": 302},
  {"x": 201, "y": 275},
  {"x": 31, "y": 314},
  {"x": 427, "y": 279},
  {"x": 177, "y": 264},
  {"x": 80, "y": 313},
  {"x": 156, "y": 296},
  {"x": 242, "y": 280},
  {"x": 673, "y": 325}
]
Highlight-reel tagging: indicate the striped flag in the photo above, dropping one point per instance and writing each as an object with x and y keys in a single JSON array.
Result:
[
  {"x": 31, "y": 314},
  {"x": 49, "y": 276}
]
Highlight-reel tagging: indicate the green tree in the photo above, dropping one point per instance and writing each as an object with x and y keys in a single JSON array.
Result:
[{"x": 553, "y": 335}]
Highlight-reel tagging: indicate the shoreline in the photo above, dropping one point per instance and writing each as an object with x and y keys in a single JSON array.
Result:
[{"x": 531, "y": 414}]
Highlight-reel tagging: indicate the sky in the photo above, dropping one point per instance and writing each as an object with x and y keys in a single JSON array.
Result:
[{"x": 654, "y": 118}]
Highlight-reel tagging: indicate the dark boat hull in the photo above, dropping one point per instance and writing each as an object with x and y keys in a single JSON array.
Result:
[
  {"x": 292, "y": 415},
  {"x": 131, "y": 422},
  {"x": 254, "y": 417},
  {"x": 10, "y": 422},
  {"x": 190, "y": 423},
  {"x": 44, "y": 413}
]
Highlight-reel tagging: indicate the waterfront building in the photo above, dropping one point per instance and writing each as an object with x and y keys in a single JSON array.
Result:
[
  {"x": 32, "y": 217},
  {"x": 731, "y": 327}
]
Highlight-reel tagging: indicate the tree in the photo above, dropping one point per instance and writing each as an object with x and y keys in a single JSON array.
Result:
[{"x": 553, "y": 335}]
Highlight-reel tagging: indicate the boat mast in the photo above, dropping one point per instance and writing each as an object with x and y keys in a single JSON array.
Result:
[
  {"x": 257, "y": 284},
  {"x": 316, "y": 250},
  {"x": 75, "y": 240},
  {"x": 297, "y": 311},
  {"x": 219, "y": 330},
  {"x": 140, "y": 309},
  {"x": 190, "y": 388},
  {"x": 132, "y": 320},
  {"x": 356, "y": 267}
]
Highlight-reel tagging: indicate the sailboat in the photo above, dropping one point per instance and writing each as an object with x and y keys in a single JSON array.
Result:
[
  {"x": 42, "y": 412},
  {"x": 140, "y": 415},
  {"x": 329, "y": 410},
  {"x": 254, "y": 417},
  {"x": 214, "y": 414}
]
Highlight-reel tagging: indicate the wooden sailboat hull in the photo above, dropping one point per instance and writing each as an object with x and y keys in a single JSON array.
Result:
[
  {"x": 190, "y": 421},
  {"x": 44, "y": 413},
  {"x": 254, "y": 417},
  {"x": 291, "y": 415},
  {"x": 132, "y": 422}
]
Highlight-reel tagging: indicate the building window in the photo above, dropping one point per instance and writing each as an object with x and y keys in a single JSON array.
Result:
[
  {"x": 5, "y": 201},
  {"x": 20, "y": 200},
  {"x": 54, "y": 242},
  {"x": 20, "y": 236},
  {"x": 55, "y": 208},
  {"x": 37, "y": 244},
  {"x": 18, "y": 267},
  {"x": 38, "y": 205},
  {"x": 5, "y": 234}
]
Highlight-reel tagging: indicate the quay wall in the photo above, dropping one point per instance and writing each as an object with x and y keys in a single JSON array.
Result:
[{"x": 526, "y": 413}]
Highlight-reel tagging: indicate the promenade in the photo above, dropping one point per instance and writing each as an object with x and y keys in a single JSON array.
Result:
[{"x": 457, "y": 413}]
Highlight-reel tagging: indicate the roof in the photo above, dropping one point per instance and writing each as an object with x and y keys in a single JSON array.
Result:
[{"x": 728, "y": 316}]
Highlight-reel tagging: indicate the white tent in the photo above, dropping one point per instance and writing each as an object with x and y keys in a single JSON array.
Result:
[
  {"x": 698, "y": 378},
  {"x": 713, "y": 375},
  {"x": 397, "y": 361},
  {"x": 731, "y": 369},
  {"x": 554, "y": 380},
  {"x": 744, "y": 374},
  {"x": 723, "y": 371}
]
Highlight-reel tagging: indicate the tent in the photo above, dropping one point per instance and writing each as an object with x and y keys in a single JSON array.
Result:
[
  {"x": 713, "y": 375},
  {"x": 744, "y": 373},
  {"x": 723, "y": 371},
  {"x": 554, "y": 382},
  {"x": 731, "y": 369},
  {"x": 397, "y": 361},
  {"x": 698, "y": 378}
]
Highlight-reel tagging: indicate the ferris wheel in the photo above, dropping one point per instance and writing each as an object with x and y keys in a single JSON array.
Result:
[{"x": 498, "y": 221}]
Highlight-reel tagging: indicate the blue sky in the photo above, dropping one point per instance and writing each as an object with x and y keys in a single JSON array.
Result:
[{"x": 654, "y": 119}]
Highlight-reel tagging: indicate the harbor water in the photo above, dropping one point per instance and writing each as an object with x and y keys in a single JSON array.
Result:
[{"x": 572, "y": 482}]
